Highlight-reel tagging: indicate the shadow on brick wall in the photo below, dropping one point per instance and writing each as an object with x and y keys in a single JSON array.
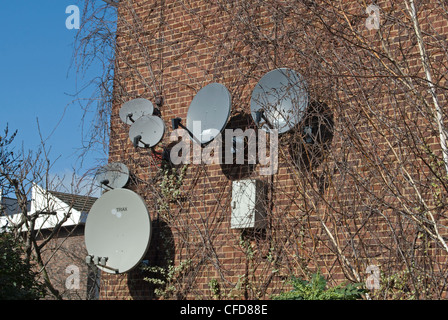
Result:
[
  {"x": 234, "y": 170},
  {"x": 310, "y": 141},
  {"x": 159, "y": 256}
]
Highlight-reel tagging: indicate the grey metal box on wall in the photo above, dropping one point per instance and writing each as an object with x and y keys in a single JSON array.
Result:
[{"x": 248, "y": 210}]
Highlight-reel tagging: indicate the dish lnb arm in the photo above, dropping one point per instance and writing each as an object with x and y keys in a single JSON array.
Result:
[
  {"x": 129, "y": 116},
  {"x": 177, "y": 122},
  {"x": 259, "y": 115},
  {"x": 138, "y": 139},
  {"x": 99, "y": 261}
]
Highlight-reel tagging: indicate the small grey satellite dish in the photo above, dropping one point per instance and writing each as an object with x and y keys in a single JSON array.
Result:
[
  {"x": 118, "y": 231},
  {"x": 209, "y": 112},
  {"x": 135, "y": 109},
  {"x": 113, "y": 175},
  {"x": 147, "y": 131},
  {"x": 280, "y": 98}
]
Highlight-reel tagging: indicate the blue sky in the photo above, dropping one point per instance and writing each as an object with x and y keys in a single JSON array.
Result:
[{"x": 36, "y": 81}]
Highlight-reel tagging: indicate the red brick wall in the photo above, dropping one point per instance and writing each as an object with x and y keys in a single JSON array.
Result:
[
  {"x": 349, "y": 207},
  {"x": 65, "y": 256}
]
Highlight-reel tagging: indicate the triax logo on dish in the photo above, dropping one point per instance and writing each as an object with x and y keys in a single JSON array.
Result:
[{"x": 117, "y": 211}]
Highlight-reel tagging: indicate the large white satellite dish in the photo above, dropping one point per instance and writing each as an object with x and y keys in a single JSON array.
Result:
[
  {"x": 208, "y": 113},
  {"x": 135, "y": 109},
  {"x": 118, "y": 231},
  {"x": 280, "y": 98}
]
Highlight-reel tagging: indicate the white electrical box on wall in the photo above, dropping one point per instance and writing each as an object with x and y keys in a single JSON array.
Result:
[{"x": 248, "y": 204}]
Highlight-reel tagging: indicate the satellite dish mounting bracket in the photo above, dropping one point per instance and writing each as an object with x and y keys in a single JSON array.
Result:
[
  {"x": 99, "y": 261},
  {"x": 177, "y": 122},
  {"x": 159, "y": 101}
]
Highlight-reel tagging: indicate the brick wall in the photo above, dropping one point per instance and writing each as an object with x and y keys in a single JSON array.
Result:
[
  {"x": 65, "y": 264},
  {"x": 362, "y": 196}
]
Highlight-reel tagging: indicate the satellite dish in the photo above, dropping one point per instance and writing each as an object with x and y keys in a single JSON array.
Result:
[
  {"x": 147, "y": 131},
  {"x": 211, "y": 109},
  {"x": 280, "y": 98},
  {"x": 113, "y": 175},
  {"x": 118, "y": 231},
  {"x": 135, "y": 109}
]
